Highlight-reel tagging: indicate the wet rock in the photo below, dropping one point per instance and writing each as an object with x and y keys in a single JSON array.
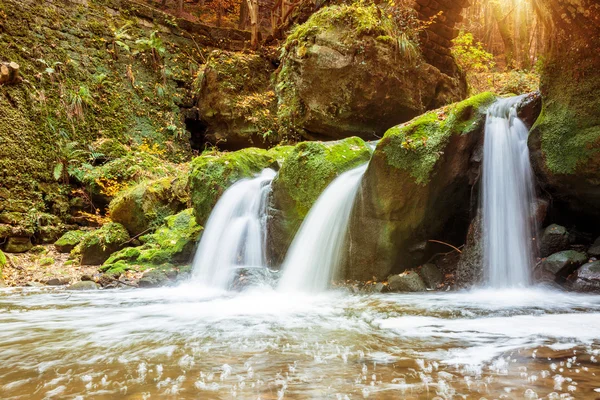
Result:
[
  {"x": 84, "y": 285},
  {"x": 558, "y": 266},
  {"x": 69, "y": 240},
  {"x": 594, "y": 251},
  {"x": 417, "y": 180},
  {"x": 248, "y": 277},
  {"x": 86, "y": 278},
  {"x": 529, "y": 108},
  {"x": 57, "y": 281},
  {"x": 154, "y": 278},
  {"x": 587, "y": 278},
  {"x": 554, "y": 239},
  {"x": 408, "y": 281},
  {"x": 431, "y": 275},
  {"x": 18, "y": 245}
]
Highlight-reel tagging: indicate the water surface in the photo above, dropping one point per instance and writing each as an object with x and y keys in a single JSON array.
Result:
[{"x": 189, "y": 343}]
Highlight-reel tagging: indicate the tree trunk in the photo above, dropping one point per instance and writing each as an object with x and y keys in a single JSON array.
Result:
[
  {"x": 243, "y": 22},
  {"x": 253, "y": 11},
  {"x": 506, "y": 35},
  {"x": 219, "y": 13},
  {"x": 180, "y": 6}
]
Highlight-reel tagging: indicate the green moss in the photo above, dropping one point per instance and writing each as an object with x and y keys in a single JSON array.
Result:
[
  {"x": 417, "y": 145},
  {"x": 147, "y": 204},
  {"x": 96, "y": 246},
  {"x": 211, "y": 174},
  {"x": 46, "y": 261},
  {"x": 569, "y": 124},
  {"x": 69, "y": 240},
  {"x": 174, "y": 242},
  {"x": 3, "y": 262},
  {"x": 307, "y": 171}
]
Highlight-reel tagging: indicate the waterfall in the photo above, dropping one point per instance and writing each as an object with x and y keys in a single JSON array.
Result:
[
  {"x": 507, "y": 197},
  {"x": 317, "y": 249},
  {"x": 235, "y": 233}
]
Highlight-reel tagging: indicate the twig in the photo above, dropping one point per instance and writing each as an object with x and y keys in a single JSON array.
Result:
[
  {"x": 136, "y": 236},
  {"x": 121, "y": 282},
  {"x": 447, "y": 244}
]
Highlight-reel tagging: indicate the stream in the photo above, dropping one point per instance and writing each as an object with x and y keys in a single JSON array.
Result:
[{"x": 189, "y": 343}]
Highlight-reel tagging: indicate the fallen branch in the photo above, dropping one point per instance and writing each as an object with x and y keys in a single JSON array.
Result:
[{"x": 444, "y": 243}]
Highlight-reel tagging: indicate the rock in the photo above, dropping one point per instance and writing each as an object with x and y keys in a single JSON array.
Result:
[
  {"x": 431, "y": 275},
  {"x": 408, "y": 281},
  {"x": 35, "y": 284},
  {"x": 84, "y": 285},
  {"x": 57, "y": 281},
  {"x": 45, "y": 261},
  {"x": 417, "y": 180},
  {"x": 594, "y": 250},
  {"x": 587, "y": 278},
  {"x": 69, "y": 240},
  {"x": 98, "y": 245},
  {"x": 86, "y": 278},
  {"x": 558, "y": 266},
  {"x": 235, "y": 103},
  {"x": 154, "y": 278},
  {"x": 343, "y": 74},
  {"x": 148, "y": 203},
  {"x": 3, "y": 262},
  {"x": 18, "y": 245},
  {"x": 554, "y": 239},
  {"x": 211, "y": 174},
  {"x": 470, "y": 266},
  {"x": 305, "y": 173},
  {"x": 174, "y": 242}
]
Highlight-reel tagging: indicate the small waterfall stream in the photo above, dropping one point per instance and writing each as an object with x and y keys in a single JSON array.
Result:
[
  {"x": 235, "y": 233},
  {"x": 317, "y": 249},
  {"x": 508, "y": 195}
]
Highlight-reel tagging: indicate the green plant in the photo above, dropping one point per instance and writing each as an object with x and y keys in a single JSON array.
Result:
[
  {"x": 155, "y": 46},
  {"x": 77, "y": 101},
  {"x": 470, "y": 55},
  {"x": 119, "y": 37},
  {"x": 69, "y": 157}
]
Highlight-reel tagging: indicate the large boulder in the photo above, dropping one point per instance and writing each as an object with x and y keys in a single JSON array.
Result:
[
  {"x": 408, "y": 281},
  {"x": 594, "y": 250},
  {"x": 558, "y": 266},
  {"x": 418, "y": 178},
  {"x": 212, "y": 173},
  {"x": 554, "y": 238},
  {"x": 69, "y": 240},
  {"x": 235, "y": 102},
  {"x": 98, "y": 245},
  {"x": 587, "y": 278},
  {"x": 304, "y": 175},
  {"x": 146, "y": 205},
  {"x": 565, "y": 141},
  {"x": 346, "y": 72}
]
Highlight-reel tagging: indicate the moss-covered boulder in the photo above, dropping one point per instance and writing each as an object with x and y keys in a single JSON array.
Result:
[
  {"x": 235, "y": 101},
  {"x": 419, "y": 178},
  {"x": 69, "y": 240},
  {"x": 98, "y": 245},
  {"x": 565, "y": 140},
  {"x": 346, "y": 72},
  {"x": 212, "y": 173},
  {"x": 558, "y": 266},
  {"x": 146, "y": 205},
  {"x": 172, "y": 243},
  {"x": 304, "y": 175},
  {"x": 18, "y": 244}
]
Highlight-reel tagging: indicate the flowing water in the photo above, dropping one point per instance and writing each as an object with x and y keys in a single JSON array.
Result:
[
  {"x": 235, "y": 232},
  {"x": 318, "y": 247},
  {"x": 180, "y": 343},
  {"x": 507, "y": 197}
]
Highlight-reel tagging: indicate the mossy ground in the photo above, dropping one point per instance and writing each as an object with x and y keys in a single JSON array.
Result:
[{"x": 417, "y": 145}]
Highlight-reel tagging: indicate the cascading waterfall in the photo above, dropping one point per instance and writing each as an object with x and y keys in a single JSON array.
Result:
[
  {"x": 317, "y": 249},
  {"x": 508, "y": 196},
  {"x": 235, "y": 234}
]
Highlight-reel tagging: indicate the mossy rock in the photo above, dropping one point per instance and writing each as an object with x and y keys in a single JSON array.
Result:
[
  {"x": 18, "y": 245},
  {"x": 418, "y": 178},
  {"x": 98, "y": 245},
  {"x": 305, "y": 173},
  {"x": 235, "y": 100},
  {"x": 69, "y": 240},
  {"x": 147, "y": 204},
  {"x": 46, "y": 261},
  {"x": 3, "y": 262},
  {"x": 212, "y": 173},
  {"x": 326, "y": 84},
  {"x": 173, "y": 243}
]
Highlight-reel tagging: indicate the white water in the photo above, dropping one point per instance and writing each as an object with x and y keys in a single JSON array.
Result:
[
  {"x": 507, "y": 197},
  {"x": 317, "y": 249},
  {"x": 235, "y": 233}
]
